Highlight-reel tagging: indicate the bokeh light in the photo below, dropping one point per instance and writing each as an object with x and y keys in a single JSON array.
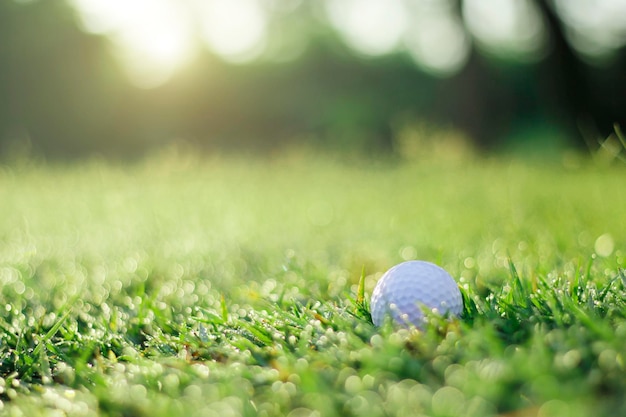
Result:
[
  {"x": 436, "y": 39},
  {"x": 236, "y": 30},
  {"x": 507, "y": 27},
  {"x": 371, "y": 27},
  {"x": 596, "y": 29},
  {"x": 154, "y": 39}
]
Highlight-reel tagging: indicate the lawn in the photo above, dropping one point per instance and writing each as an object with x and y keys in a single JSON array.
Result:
[{"x": 229, "y": 286}]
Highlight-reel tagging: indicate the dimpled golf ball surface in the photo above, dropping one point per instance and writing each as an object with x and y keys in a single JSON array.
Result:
[{"x": 405, "y": 289}]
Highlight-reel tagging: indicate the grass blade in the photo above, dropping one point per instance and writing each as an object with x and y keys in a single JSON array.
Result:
[
  {"x": 50, "y": 334},
  {"x": 224, "y": 309},
  {"x": 360, "y": 294}
]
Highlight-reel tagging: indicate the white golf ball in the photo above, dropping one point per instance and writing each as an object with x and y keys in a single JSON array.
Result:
[{"x": 404, "y": 290}]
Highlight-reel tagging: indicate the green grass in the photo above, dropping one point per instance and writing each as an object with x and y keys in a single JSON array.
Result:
[{"x": 239, "y": 287}]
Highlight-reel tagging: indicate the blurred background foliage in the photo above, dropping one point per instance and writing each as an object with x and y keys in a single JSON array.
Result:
[{"x": 120, "y": 78}]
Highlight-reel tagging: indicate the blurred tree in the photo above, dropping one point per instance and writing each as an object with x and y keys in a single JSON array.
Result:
[
  {"x": 63, "y": 92},
  {"x": 577, "y": 93},
  {"x": 51, "y": 79}
]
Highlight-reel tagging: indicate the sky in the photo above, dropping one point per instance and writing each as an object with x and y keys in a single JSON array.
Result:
[{"x": 153, "y": 39}]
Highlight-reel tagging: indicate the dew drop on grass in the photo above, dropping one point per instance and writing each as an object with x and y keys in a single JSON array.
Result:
[
  {"x": 469, "y": 262},
  {"x": 353, "y": 384},
  {"x": 604, "y": 245},
  {"x": 408, "y": 253}
]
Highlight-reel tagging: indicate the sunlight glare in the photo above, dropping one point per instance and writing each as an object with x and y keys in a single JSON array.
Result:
[
  {"x": 371, "y": 27},
  {"x": 152, "y": 38},
  {"x": 234, "y": 29}
]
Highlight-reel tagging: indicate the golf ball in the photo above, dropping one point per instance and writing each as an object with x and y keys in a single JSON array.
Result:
[{"x": 404, "y": 290}]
